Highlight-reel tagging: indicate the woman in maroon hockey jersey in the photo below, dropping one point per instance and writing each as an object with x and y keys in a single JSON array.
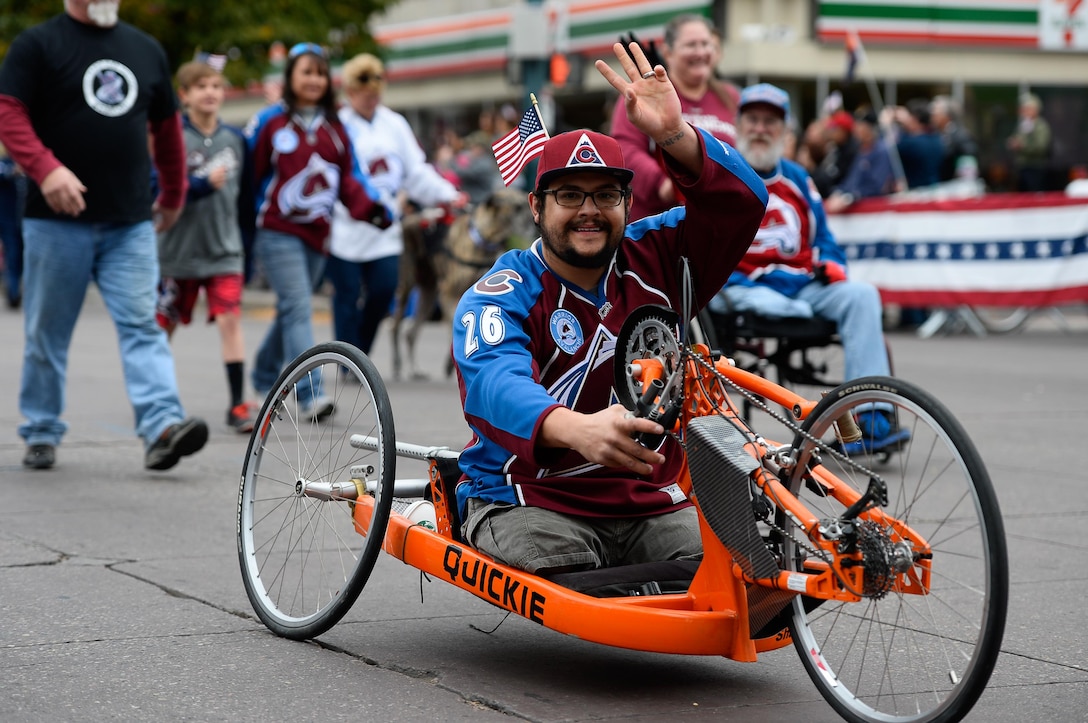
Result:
[{"x": 303, "y": 162}]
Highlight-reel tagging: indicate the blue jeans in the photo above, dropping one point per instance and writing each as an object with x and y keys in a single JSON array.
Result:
[
  {"x": 61, "y": 258},
  {"x": 855, "y": 306},
  {"x": 378, "y": 278},
  {"x": 293, "y": 270}
]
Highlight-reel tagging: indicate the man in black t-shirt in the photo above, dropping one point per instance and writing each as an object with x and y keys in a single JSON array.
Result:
[{"x": 78, "y": 94}]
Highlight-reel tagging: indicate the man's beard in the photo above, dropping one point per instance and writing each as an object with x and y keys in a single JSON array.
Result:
[
  {"x": 103, "y": 13},
  {"x": 570, "y": 255},
  {"x": 763, "y": 158}
]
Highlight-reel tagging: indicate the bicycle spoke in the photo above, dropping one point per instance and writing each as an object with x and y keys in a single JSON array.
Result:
[
  {"x": 910, "y": 653},
  {"x": 302, "y": 557}
]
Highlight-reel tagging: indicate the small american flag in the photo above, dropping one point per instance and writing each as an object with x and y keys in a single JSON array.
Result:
[
  {"x": 520, "y": 145},
  {"x": 216, "y": 61}
]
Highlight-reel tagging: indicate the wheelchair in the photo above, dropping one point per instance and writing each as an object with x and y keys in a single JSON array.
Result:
[{"x": 804, "y": 355}]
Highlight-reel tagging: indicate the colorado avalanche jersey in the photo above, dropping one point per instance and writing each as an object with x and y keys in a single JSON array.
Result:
[
  {"x": 793, "y": 235},
  {"x": 527, "y": 341},
  {"x": 302, "y": 166}
]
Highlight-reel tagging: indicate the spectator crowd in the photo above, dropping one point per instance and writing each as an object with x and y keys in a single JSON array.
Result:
[{"x": 313, "y": 191}]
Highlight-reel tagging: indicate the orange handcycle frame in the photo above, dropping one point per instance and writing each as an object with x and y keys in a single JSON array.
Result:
[
  {"x": 825, "y": 561},
  {"x": 711, "y": 618}
]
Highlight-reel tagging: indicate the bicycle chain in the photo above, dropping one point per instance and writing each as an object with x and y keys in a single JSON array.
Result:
[
  {"x": 803, "y": 544},
  {"x": 758, "y": 402},
  {"x": 819, "y": 444}
]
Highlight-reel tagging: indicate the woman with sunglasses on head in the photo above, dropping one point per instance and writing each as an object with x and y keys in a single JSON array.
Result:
[
  {"x": 365, "y": 259},
  {"x": 303, "y": 164}
]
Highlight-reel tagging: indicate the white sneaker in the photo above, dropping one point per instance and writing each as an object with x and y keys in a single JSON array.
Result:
[{"x": 319, "y": 409}]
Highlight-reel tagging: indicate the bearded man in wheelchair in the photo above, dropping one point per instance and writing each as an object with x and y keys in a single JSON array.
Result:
[{"x": 794, "y": 269}]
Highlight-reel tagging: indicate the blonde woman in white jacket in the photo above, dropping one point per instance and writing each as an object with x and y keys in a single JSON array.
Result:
[{"x": 364, "y": 260}]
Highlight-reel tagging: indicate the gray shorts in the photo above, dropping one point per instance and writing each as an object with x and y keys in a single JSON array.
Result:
[{"x": 538, "y": 540}]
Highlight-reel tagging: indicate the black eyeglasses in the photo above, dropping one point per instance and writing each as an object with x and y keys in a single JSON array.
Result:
[
  {"x": 312, "y": 48},
  {"x": 570, "y": 198},
  {"x": 368, "y": 78}
]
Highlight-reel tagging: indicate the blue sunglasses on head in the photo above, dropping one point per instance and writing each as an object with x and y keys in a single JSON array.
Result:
[{"x": 312, "y": 48}]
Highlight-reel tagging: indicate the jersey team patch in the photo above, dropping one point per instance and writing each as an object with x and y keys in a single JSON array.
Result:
[
  {"x": 285, "y": 141},
  {"x": 566, "y": 331},
  {"x": 498, "y": 283}
]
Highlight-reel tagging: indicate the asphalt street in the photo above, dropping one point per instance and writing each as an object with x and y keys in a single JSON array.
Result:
[{"x": 121, "y": 597}]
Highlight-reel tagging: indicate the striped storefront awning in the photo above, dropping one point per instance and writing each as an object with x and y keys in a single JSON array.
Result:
[
  {"x": 1058, "y": 25},
  {"x": 480, "y": 41}
]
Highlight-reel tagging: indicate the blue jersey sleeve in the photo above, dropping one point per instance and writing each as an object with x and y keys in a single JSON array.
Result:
[
  {"x": 492, "y": 350},
  {"x": 253, "y": 128}
]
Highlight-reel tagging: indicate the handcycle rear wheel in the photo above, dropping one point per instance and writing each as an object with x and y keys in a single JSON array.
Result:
[
  {"x": 304, "y": 561},
  {"x": 897, "y": 655}
]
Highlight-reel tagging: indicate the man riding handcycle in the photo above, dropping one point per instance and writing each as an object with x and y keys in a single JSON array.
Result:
[{"x": 602, "y": 440}]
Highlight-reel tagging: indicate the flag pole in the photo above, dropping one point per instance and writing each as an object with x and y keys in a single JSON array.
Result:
[
  {"x": 531, "y": 165},
  {"x": 878, "y": 102},
  {"x": 536, "y": 109}
]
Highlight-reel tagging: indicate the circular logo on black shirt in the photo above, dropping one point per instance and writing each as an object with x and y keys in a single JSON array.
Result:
[{"x": 109, "y": 88}]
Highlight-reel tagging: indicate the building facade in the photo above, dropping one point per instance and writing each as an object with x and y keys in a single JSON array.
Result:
[{"x": 448, "y": 59}]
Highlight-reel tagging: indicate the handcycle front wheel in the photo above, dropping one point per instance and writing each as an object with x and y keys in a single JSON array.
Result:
[
  {"x": 921, "y": 644},
  {"x": 304, "y": 560}
]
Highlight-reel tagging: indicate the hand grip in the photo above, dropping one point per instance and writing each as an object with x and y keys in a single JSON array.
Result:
[
  {"x": 666, "y": 420},
  {"x": 645, "y": 404}
]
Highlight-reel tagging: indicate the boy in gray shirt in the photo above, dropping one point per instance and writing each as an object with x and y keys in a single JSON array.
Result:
[{"x": 205, "y": 248}]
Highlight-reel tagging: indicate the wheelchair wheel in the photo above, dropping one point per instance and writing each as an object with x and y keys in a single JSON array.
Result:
[
  {"x": 304, "y": 560},
  {"x": 903, "y": 654}
]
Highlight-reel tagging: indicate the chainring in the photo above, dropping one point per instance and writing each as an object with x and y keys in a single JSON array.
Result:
[{"x": 650, "y": 332}]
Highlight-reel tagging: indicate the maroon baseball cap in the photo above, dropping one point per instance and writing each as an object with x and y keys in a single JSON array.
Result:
[{"x": 577, "y": 151}]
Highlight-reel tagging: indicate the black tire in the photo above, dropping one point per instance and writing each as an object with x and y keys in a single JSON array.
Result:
[
  {"x": 303, "y": 560},
  {"x": 897, "y": 656}
]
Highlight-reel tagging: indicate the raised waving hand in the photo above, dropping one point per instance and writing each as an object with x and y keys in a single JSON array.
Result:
[{"x": 652, "y": 104}]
